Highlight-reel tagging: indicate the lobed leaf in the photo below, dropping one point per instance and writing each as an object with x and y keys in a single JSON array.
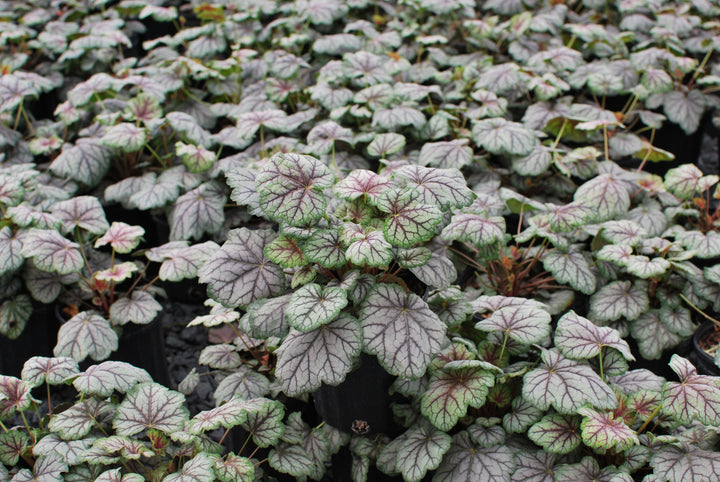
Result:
[
  {"x": 86, "y": 334},
  {"x": 150, "y": 406}
]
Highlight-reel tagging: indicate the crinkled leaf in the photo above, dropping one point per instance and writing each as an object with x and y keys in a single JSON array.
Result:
[
  {"x": 571, "y": 268},
  {"x": 557, "y": 433},
  {"x": 618, "y": 299},
  {"x": 53, "y": 371},
  {"x": 579, "y": 338},
  {"x": 47, "y": 468},
  {"x": 451, "y": 390},
  {"x": 239, "y": 273},
  {"x": 290, "y": 188},
  {"x": 86, "y": 334},
  {"x": 401, "y": 329},
  {"x": 52, "y": 252},
  {"x": 324, "y": 355},
  {"x": 694, "y": 397},
  {"x": 646, "y": 268},
  {"x": 109, "y": 376},
  {"x": 467, "y": 462},
  {"x": 523, "y": 324},
  {"x": 150, "y": 406},
  {"x": 705, "y": 245},
  {"x": 566, "y": 385},
  {"x": 478, "y": 229},
  {"x": 197, "y": 212},
  {"x": 312, "y": 306}
]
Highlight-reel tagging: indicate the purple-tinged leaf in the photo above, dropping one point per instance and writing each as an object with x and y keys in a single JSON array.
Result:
[
  {"x": 521, "y": 416},
  {"x": 322, "y": 138},
  {"x": 556, "y": 433},
  {"x": 117, "y": 273},
  {"x": 444, "y": 188},
  {"x": 140, "y": 308},
  {"x": 291, "y": 459},
  {"x": 566, "y": 385},
  {"x": 705, "y": 245},
  {"x": 125, "y": 136},
  {"x": 187, "y": 125},
  {"x": 401, "y": 330},
  {"x": 227, "y": 415},
  {"x": 290, "y": 188},
  {"x": 324, "y": 248},
  {"x": 537, "y": 467},
  {"x": 198, "y": 469},
  {"x": 486, "y": 433},
  {"x": 196, "y": 158},
  {"x": 370, "y": 249},
  {"x": 439, "y": 272},
  {"x": 571, "y": 268},
  {"x": 51, "y": 251},
  {"x": 150, "y": 406},
  {"x": 385, "y": 144},
  {"x": 606, "y": 195},
  {"x": 110, "y": 376},
  {"x": 452, "y": 154},
  {"x": 685, "y": 109},
  {"x": 422, "y": 449},
  {"x": 312, "y": 306},
  {"x": 467, "y": 462},
  {"x": 47, "y": 468},
  {"x": 86, "y": 162},
  {"x": 452, "y": 389},
  {"x": 604, "y": 431},
  {"x": 409, "y": 221},
  {"x": 233, "y": 468},
  {"x": 122, "y": 237},
  {"x": 11, "y": 257},
  {"x": 185, "y": 263},
  {"x": 413, "y": 257},
  {"x": 266, "y": 317},
  {"x": 652, "y": 335},
  {"x": 499, "y": 136},
  {"x": 115, "y": 475},
  {"x": 285, "y": 251},
  {"x": 477, "y": 229},
  {"x": 678, "y": 320},
  {"x": 360, "y": 183},
  {"x": 197, "y": 212},
  {"x": 265, "y": 423},
  {"x": 242, "y": 182},
  {"x": 12, "y": 445},
  {"x": 685, "y": 462},
  {"x": 566, "y": 217},
  {"x": 127, "y": 447},
  {"x": 221, "y": 357},
  {"x": 579, "y": 338},
  {"x": 14, "y": 395},
  {"x": 588, "y": 469},
  {"x": 324, "y": 355},
  {"x": 86, "y": 334},
  {"x": 695, "y": 397},
  {"x": 244, "y": 383},
  {"x": 619, "y": 299},
  {"x": 395, "y": 117},
  {"x": 644, "y": 403},
  {"x": 636, "y": 380},
  {"x": 239, "y": 273},
  {"x": 523, "y": 324},
  {"x": 77, "y": 421},
  {"x": 53, "y": 371}
]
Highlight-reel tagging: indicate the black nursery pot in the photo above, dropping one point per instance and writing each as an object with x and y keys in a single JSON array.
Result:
[
  {"x": 704, "y": 362},
  {"x": 360, "y": 404},
  {"x": 142, "y": 346},
  {"x": 37, "y": 339}
]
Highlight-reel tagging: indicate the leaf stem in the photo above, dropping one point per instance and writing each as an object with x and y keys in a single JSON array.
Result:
[
  {"x": 600, "y": 360},
  {"x": 502, "y": 350},
  {"x": 684, "y": 298},
  {"x": 649, "y": 419}
]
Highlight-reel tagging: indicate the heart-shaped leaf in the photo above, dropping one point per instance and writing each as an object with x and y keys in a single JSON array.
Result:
[
  {"x": 84, "y": 212},
  {"x": 444, "y": 188},
  {"x": 77, "y": 421},
  {"x": 324, "y": 248},
  {"x": 52, "y": 252},
  {"x": 312, "y": 306},
  {"x": 122, "y": 237},
  {"x": 566, "y": 385},
  {"x": 606, "y": 195},
  {"x": 87, "y": 161},
  {"x": 14, "y": 395},
  {"x": 150, "y": 406},
  {"x": 571, "y": 268},
  {"x": 198, "y": 469},
  {"x": 438, "y": 272},
  {"x": 12, "y": 445},
  {"x": 244, "y": 383},
  {"x": 239, "y": 273},
  {"x": 47, "y": 468},
  {"x": 197, "y": 212},
  {"x": 521, "y": 416},
  {"x": 619, "y": 299},
  {"x": 285, "y": 251},
  {"x": 14, "y": 315},
  {"x": 369, "y": 249},
  {"x": 523, "y": 324},
  {"x": 187, "y": 125},
  {"x": 556, "y": 433},
  {"x": 652, "y": 335},
  {"x": 451, "y": 154},
  {"x": 53, "y": 371},
  {"x": 221, "y": 357},
  {"x": 385, "y": 144},
  {"x": 685, "y": 462},
  {"x": 86, "y": 334},
  {"x": 422, "y": 448},
  {"x": 291, "y": 459},
  {"x": 324, "y": 355},
  {"x": 452, "y": 389},
  {"x": 603, "y": 430},
  {"x": 579, "y": 338},
  {"x": 140, "y": 308},
  {"x": 266, "y": 317},
  {"x": 125, "y": 136},
  {"x": 409, "y": 221},
  {"x": 227, "y": 415},
  {"x": 265, "y": 423},
  {"x": 184, "y": 263},
  {"x": 109, "y": 376},
  {"x": 233, "y": 468},
  {"x": 11, "y": 257},
  {"x": 695, "y": 397},
  {"x": 499, "y": 136},
  {"x": 401, "y": 329},
  {"x": 290, "y": 188}
]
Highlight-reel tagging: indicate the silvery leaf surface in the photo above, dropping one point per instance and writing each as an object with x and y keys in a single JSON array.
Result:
[
  {"x": 77, "y": 421},
  {"x": 444, "y": 188},
  {"x": 362, "y": 182},
  {"x": 233, "y": 468},
  {"x": 198, "y": 469},
  {"x": 239, "y": 273},
  {"x": 695, "y": 397},
  {"x": 566, "y": 385},
  {"x": 86, "y": 162},
  {"x": 603, "y": 430},
  {"x": 14, "y": 395},
  {"x": 422, "y": 448},
  {"x": 685, "y": 462},
  {"x": 571, "y": 268},
  {"x": 198, "y": 212},
  {"x": 11, "y": 257},
  {"x": 477, "y": 229},
  {"x": 86, "y": 334},
  {"x": 15, "y": 313},
  {"x": 467, "y": 462},
  {"x": 53, "y": 371},
  {"x": 606, "y": 195},
  {"x": 150, "y": 406},
  {"x": 290, "y": 188},
  {"x": 579, "y": 338},
  {"x": 499, "y": 136},
  {"x": 556, "y": 433},
  {"x": 523, "y": 324},
  {"x": 51, "y": 251},
  {"x": 139, "y": 308},
  {"x": 244, "y": 383},
  {"x": 385, "y": 144},
  {"x": 323, "y": 355},
  {"x": 401, "y": 329},
  {"x": 619, "y": 299},
  {"x": 110, "y": 376}
]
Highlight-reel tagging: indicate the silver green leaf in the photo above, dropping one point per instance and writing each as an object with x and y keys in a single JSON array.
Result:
[
  {"x": 198, "y": 212},
  {"x": 606, "y": 195},
  {"x": 232, "y": 413},
  {"x": 290, "y": 188},
  {"x": 499, "y": 136},
  {"x": 244, "y": 382},
  {"x": 451, "y": 154},
  {"x": 53, "y": 371},
  {"x": 619, "y": 299},
  {"x": 521, "y": 416},
  {"x": 409, "y": 221},
  {"x": 685, "y": 462},
  {"x": 110, "y": 376},
  {"x": 695, "y": 397},
  {"x": 685, "y": 109},
  {"x": 125, "y": 136},
  {"x": 14, "y": 395},
  {"x": 571, "y": 268},
  {"x": 221, "y": 356},
  {"x": 579, "y": 338},
  {"x": 467, "y": 462},
  {"x": 370, "y": 249},
  {"x": 535, "y": 467},
  {"x": 47, "y": 468},
  {"x": 266, "y": 317},
  {"x": 324, "y": 248},
  {"x": 474, "y": 228},
  {"x": 291, "y": 459},
  {"x": 652, "y": 335},
  {"x": 589, "y": 469},
  {"x": 556, "y": 433},
  {"x": 239, "y": 273},
  {"x": 150, "y": 406},
  {"x": 401, "y": 329},
  {"x": 438, "y": 272},
  {"x": 184, "y": 263},
  {"x": 233, "y": 468},
  {"x": 187, "y": 125},
  {"x": 422, "y": 448},
  {"x": 265, "y": 424},
  {"x": 566, "y": 385},
  {"x": 11, "y": 257},
  {"x": 603, "y": 430},
  {"x": 198, "y": 469},
  {"x": 444, "y": 188},
  {"x": 385, "y": 144},
  {"x": 51, "y": 251},
  {"x": 524, "y": 324},
  {"x": 14, "y": 315},
  {"x": 140, "y": 308},
  {"x": 324, "y": 355},
  {"x": 77, "y": 421},
  {"x": 312, "y": 306},
  {"x": 86, "y": 334},
  {"x": 86, "y": 162}
]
